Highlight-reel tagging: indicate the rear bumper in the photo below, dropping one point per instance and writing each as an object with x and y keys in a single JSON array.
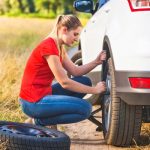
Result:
[{"x": 128, "y": 94}]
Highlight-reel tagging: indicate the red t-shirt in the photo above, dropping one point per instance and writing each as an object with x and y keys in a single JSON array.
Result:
[{"x": 38, "y": 77}]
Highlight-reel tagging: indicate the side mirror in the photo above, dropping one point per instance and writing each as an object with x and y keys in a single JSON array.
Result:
[{"x": 84, "y": 6}]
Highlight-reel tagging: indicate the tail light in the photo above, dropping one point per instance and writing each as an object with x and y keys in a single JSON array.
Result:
[
  {"x": 143, "y": 83},
  {"x": 139, "y": 5}
]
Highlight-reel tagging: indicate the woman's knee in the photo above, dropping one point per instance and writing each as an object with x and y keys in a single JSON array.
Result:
[
  {"x": 83, "y": 108},
  {"x": 87, "y": 109},
  {"x": 81, "y": 112}
]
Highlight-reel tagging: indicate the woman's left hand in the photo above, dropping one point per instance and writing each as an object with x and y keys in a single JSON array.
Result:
[{"x": 101, "y": 57}]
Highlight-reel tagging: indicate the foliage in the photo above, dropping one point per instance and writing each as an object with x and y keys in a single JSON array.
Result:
[
  {"x": 17, "y": 38},
  {"x": 49, "y": 8}
]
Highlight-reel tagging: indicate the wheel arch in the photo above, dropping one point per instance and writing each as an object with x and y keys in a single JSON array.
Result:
[{"x": 107, "y": 47}]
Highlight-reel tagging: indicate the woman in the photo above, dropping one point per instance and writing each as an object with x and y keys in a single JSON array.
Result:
[{"x": 62, "y": 102}]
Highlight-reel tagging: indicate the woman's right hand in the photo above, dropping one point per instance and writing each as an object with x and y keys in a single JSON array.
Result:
[{"x": 100, "y": 87}]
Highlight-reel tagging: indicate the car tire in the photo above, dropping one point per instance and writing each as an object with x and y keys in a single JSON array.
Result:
[
  {"x": 121, "y": 122},
  {"x": 77, "y": 60},
  {"x": 21, "y": 136}
]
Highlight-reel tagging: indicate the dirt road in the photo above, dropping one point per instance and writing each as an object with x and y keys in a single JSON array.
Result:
[{"x": 85, "y": 137}]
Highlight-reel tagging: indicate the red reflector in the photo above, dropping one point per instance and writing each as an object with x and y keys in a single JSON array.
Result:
[{"x": 143, "y": 83}]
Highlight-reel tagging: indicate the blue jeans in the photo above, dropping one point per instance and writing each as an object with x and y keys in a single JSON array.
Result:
[{"x": 62, "y": 107}]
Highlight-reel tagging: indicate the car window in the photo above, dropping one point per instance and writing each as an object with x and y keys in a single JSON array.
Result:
[{"x": 101, "y": 2}]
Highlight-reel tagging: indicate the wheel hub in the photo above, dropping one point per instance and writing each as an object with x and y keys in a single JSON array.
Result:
[
  {"x": 107, "y": 103},
  {"x": 25, "y": 130}
]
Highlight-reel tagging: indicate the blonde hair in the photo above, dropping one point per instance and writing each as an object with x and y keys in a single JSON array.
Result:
[{"x": 69, "y": 21}]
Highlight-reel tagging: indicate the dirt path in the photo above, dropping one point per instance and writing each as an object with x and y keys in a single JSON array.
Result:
[{"x": 85, "y": 137}]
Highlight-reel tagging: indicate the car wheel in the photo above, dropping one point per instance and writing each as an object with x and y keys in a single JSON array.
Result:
[
  {"x": 76, "y": 59},
  {"x": 121, "y": 122},
  {"x": 20, "y": 136}
]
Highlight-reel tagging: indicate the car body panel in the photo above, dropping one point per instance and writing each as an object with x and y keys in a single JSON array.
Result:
[
  {"x": 131, "y": 95},
  {"x": 128, "y": 33},
  {"x": 129, "y": 36}
]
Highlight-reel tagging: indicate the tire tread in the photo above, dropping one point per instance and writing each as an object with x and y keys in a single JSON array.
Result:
[{"x": 125, "y": 124}]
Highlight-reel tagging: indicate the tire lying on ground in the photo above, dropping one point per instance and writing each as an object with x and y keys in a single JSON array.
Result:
[
  {"x": 121, "y": 122},
  {"x": 20, "y": 136}
]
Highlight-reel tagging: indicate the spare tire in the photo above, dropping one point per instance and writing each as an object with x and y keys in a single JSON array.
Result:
[{"x": 21, "y": 136}]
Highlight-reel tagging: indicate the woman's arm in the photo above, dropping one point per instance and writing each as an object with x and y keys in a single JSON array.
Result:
[
  {"x": 84, "y": 69},
  {"x": 66, "y": 83}
]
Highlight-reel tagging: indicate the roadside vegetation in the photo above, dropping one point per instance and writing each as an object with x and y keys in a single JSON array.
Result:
[
  {"x": 17, "y": 39},
  {"x": 38, "y": 8}
]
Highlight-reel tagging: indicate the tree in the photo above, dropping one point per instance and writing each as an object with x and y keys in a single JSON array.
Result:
[
  {"x": 55, "y": 4},
  {"x": 52, "y": 7},
  {"x": 68, "y": 6},
  {"x": 46, "y": 5},
  {"x": 31, "y": 6},
  {"x": 21, "y": 7},
  {"x": 7, "y": 5}
]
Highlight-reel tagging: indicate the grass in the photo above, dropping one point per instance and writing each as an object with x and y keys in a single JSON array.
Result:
[
  {"x": 3, "y": 145},
  {"x": 17, "y": 39}
]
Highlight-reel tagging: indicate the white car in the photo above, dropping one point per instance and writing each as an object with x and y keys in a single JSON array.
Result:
[{"x": 122, "y": 28}]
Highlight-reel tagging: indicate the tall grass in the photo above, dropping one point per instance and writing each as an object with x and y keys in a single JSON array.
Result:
[{"x": 17, "y": 38}]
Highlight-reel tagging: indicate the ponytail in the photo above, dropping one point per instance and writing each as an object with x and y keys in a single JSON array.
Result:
[{"x": 69, "y": 21}]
